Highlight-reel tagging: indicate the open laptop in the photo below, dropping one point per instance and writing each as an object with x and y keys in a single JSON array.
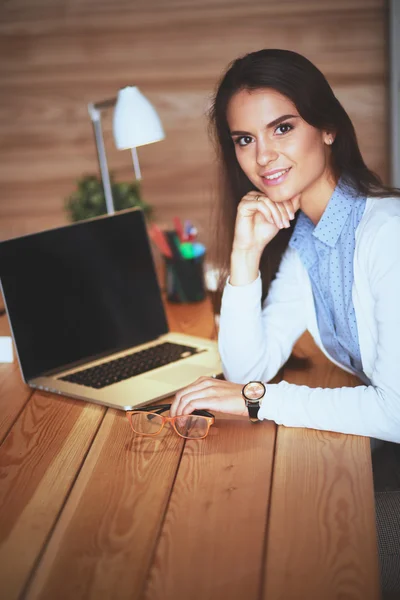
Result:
[{"x": 87, "y": 317}]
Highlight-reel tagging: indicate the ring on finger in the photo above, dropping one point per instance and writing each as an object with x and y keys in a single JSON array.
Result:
[{"x": 257, "y": 198}]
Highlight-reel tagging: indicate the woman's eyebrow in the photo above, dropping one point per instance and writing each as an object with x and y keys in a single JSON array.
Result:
[
  {"x": 280, "y": 119},
  {"x": 270, "y": 125}
]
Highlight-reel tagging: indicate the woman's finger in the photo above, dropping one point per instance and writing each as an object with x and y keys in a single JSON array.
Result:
[
  {"x": 199, "y": 385},
  {"x": 263, "y": 205},
  {"x": 233, "y": 405},
  {"x": 284, "y": 214},
  {"x": 199, "y": 395},
  {"x": 249, "y": 207},
  {"x": 224, "y": 391},
  {"x": 289, "y": 209},
  {"x": 280, "y": 213},
  {"x": 212, "y": 403},
  {"x": 274, "y": 216},
  {"x": 254, "y": 195},
  {"x": 276, "y": 213},
  {"x": 189, "y": 395}
]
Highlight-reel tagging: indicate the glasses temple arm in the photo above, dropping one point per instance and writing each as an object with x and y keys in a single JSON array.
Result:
[
  {"x": 156, "y": 409},
  {"x": 163, "y": 407},
  {"x": 202, "y": 413}
]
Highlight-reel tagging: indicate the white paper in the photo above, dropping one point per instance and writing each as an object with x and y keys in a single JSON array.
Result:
[{"x": 6, "y": 349}]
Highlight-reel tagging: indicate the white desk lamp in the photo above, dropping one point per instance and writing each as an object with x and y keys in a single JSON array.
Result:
[{"x": 136, "y": 123}]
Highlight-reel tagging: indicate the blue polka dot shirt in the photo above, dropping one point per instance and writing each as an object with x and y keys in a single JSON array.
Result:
[{"x": 327, "y": 252}]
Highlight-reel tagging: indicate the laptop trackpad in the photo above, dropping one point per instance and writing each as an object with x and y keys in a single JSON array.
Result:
[{"x": 182, "y": 376}]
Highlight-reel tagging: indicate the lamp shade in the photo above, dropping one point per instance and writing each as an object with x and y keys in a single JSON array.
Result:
[{"x": 136, "y": 122}]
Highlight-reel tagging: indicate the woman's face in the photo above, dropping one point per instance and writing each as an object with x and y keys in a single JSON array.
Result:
[{"x": 280, "y": 153}]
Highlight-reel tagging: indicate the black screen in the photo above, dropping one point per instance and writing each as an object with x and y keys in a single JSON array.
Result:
[{"x": 81, "y": 291}]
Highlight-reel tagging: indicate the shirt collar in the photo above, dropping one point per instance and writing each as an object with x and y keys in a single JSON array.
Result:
[
  {"x": 331, "y": 224},
  {"x": 335, "y": 215},
  {"x": 301, "y": 239}
]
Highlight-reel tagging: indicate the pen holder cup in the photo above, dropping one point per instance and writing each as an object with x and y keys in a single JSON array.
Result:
[{"x": 184, "y": 279}]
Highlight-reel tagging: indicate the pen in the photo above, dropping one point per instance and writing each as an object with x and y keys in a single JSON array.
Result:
[
  {"x": 174, "y": 244},
  {"x": 188, "y": 227},
  {"x": 187, "y": 250},
  {"x": 198, "y": 249},
  {"x": 179, "y": 229},
  {"x": 160, "y": 241},
  {"x": 192, "y": 234}
]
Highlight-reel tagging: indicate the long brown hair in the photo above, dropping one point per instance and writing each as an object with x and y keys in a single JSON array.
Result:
[{"x": 298, "y": 79}]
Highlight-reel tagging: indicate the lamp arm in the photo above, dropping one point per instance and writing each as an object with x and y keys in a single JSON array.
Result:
[
  {"x": 101, "y": 153},
  {"x": 136, "y": 165},
  {"x": 109, "y": 103}
]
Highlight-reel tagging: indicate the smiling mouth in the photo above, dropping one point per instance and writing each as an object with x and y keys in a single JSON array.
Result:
[{"x": 276, "y": 175}]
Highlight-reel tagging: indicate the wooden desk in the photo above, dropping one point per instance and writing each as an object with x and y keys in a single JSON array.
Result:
[{"x": 89, "y": 511}]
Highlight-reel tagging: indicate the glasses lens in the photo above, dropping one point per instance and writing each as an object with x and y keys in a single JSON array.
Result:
[
  {"x": 146, "y": 423},
  {"x": 191, "y": 426}
]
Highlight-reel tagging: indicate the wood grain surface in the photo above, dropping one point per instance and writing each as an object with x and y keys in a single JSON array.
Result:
[
  {"x": 328, "y": 549},
  {"x": 58, "y": 56},
  {"x": 110, "y": 526},
  {"x": 45, "y": 441},
  {"x": 104, "y": 542},
  {"x": 212, "y": 540},
  {"x": 90, "y": 511},
  {"x": 193, "y": 319},
  {"x": 39, "y": 461},
  {"x": 14, "y": 394},
  {"x": 335, "y": 537}
]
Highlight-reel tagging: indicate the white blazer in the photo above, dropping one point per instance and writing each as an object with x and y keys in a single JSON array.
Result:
[{"x": 255, "y": 341}]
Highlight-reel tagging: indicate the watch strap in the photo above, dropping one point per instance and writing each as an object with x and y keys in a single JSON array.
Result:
[{"x": 253, "y": 412}]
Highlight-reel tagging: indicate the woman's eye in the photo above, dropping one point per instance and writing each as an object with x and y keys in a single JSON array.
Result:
[
  {"x": 244, "y": 140},
  {"x": 284, "y": 128}
]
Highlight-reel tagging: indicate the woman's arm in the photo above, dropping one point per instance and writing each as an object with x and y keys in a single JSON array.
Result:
[
  {"x": 373, "y": 410},
  {"x": 365, "y": 410},
  {"x": 254, "y": 342}
]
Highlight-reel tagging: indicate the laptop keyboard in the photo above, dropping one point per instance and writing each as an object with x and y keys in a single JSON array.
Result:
[{"x": 128, "y": 366}]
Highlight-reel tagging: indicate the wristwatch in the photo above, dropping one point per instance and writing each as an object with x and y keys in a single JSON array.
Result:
[{"x": 252, "y": 393}]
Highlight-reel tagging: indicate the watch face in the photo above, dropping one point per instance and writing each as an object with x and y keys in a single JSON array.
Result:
[{"x": 254, "y": 390}]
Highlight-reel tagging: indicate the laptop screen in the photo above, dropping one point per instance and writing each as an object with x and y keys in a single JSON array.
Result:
[{"x": 81, "y": 291}]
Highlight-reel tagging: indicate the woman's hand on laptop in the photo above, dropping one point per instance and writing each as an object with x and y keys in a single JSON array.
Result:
[{"x": 207, "y": 393}]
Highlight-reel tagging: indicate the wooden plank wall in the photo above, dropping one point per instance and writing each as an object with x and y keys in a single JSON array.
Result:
[{"x": 58, "y": 55}]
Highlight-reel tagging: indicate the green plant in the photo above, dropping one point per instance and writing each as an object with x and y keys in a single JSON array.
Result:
[{"x": 88, "y": 200}]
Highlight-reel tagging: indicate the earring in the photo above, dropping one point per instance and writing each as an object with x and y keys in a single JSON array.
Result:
[{"x": 329, "y": 141}]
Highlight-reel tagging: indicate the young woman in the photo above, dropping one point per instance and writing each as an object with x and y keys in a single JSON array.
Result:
[{"x": 313, "y": 242}]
